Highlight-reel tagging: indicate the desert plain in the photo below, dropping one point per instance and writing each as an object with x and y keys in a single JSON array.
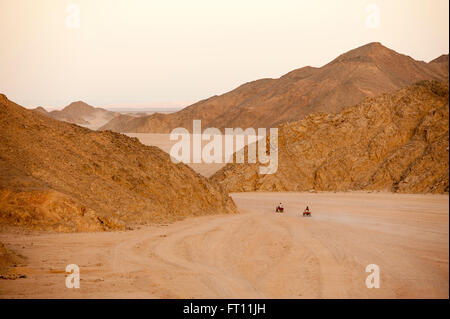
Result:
[{"x": 253, "y": 254}]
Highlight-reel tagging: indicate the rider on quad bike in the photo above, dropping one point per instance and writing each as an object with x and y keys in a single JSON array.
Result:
[
  {"x": 279, "y": 208},
  {"x": 307, "y": 212}
]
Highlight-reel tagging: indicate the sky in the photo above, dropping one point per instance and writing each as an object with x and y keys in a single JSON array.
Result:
[{"x": 171, "y": 53}]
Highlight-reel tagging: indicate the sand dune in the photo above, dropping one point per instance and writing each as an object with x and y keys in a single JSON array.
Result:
[{"x": 255, "y": 254}]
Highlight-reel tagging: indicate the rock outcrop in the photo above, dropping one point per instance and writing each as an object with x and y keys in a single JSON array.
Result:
[
  {"x": 394, "y": 142},
  {"x": 59, "y": 176},
  {"x": 8, "y": 260}
]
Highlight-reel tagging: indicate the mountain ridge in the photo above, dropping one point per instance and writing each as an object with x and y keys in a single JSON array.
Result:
[{"x": 369, "y": 70}]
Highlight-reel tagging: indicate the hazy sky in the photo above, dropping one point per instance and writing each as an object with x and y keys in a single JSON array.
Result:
[{"x": 173, "y": 53}]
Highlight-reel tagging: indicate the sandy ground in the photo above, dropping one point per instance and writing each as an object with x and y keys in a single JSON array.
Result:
[
  {"x": 254, "y": 254},
  {"x": 163, "y": 142}
]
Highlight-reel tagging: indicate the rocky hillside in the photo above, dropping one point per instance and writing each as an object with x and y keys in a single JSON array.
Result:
[
  {"x": 441, "y": 65},
  {"x": 60, "y": 176},
  {"x": 367, "y": 71},
  {"x": 395, "y": 142},
  {"x": 8, "y": 260}
]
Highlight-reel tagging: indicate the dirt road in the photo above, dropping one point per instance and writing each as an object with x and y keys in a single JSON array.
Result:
[{"x": 255, "y": 254}]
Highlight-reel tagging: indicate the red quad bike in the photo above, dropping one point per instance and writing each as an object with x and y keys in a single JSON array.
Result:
[
  {"x": 306, "y": 213},
  {"x": 279, "y": 209}
]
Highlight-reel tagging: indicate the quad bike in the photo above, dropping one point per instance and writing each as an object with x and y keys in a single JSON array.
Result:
[
  {"x": 307, "y": 214},
  {"x": 279, "y": 209}
]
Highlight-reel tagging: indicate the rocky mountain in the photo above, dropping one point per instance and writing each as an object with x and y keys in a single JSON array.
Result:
[
  {"x": 83, "y": 114},
  {"x": 122, "y": 120},
  {"x": 366, "y": 71},
  {"x": 442, "y": 59},
  {"x": 41, "y": 110},
  {"x": 441, "y": 65},
  {"x": 59, "y": 176},
  {"x": 395, "y": 142}
]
